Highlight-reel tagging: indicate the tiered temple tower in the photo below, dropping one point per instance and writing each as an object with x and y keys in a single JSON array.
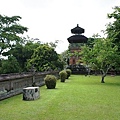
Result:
[{"x": 75, "y": 42}]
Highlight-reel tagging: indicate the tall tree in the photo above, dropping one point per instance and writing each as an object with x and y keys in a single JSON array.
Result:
[
  {"x": 102, "y": 56},
  {"x": 10, "y": 31},
  {"x": 113, "y": 28}
]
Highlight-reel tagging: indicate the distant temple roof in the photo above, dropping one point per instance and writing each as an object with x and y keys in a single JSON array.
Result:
[
  {"x": 77, "y": 30},
  {"x": 77, "y": 38}
]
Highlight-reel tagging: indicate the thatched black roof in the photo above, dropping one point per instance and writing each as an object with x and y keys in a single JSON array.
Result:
[
  {"x": 77, "y": 39},
  {"x": 77, "y": 30}
]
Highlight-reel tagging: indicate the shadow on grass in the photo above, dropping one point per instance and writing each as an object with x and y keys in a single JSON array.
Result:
[
  {"x": 99, "y": 83},
  {"x": 112, "y": 84},
  {"x": 96, "y": 80}
]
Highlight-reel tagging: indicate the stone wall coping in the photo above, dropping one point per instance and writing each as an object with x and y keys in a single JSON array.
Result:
[
  {"x": 30, "y": 87},
  {"x": 7, "y": 77}
]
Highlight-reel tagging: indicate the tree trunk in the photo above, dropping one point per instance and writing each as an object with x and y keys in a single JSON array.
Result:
[
  {"x": 103, "y": 76},
  {"x": 104, "y": 73},
  {"x": 102, "y": 81}
]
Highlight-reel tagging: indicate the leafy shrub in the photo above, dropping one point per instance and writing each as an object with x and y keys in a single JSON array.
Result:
[
  {"x": 68, "y": 71},
  {"x": 63, "y": 75},
  {"x": 50, "y": 81}
]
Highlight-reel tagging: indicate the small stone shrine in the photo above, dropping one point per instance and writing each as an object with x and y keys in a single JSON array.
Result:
[{"x": 31, "y": 93}]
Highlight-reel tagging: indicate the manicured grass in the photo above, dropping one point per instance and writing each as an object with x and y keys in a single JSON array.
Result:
[{"x": 79, "y": 98}]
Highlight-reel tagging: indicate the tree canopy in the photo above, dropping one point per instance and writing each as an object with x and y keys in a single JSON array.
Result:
[
  {"x": 24, "y": 52},
  {"x": 102, "y": 56},
  {"x": 9, "y": 65},
  {"x": 113, "y": 28},
  {"x": 45, "y": 58},
  {"x": 10, "y": 31}
]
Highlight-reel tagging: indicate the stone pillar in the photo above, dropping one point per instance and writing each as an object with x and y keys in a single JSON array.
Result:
[{"x": 31, "y": 93}]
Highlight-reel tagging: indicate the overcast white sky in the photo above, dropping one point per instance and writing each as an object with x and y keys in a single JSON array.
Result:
[{"x": 51, "y": 20}]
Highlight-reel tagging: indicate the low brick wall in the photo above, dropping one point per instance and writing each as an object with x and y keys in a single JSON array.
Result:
[{"x": 13, "y": 84}]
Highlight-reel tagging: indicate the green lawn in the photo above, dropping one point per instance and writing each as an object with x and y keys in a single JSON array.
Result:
[{"x": 79, "y": 98}]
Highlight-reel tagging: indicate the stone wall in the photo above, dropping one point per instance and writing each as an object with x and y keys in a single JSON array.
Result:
[{"x": 13, "y": 84}]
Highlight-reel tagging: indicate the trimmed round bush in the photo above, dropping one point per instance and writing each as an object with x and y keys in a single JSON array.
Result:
[
  {"x": 50, "y": 81},
  {"x": 63, "y": 75}
]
